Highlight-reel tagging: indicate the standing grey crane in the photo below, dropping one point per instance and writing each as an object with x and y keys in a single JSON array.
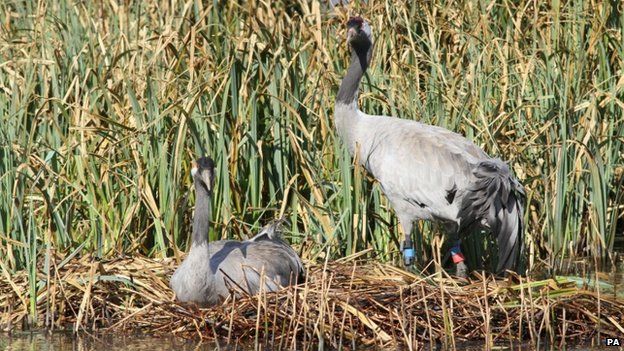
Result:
[
  {"x": 212, "y": 271},
  {"x": 428, "y": 172}
]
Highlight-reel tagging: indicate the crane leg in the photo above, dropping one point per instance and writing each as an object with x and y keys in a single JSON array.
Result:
[
  {"x": 461, "y": 270},
  {"x": 407, "y": 247}
]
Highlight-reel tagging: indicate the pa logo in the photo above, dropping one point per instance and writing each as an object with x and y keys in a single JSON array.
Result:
[{"x": 613, "y": 342}]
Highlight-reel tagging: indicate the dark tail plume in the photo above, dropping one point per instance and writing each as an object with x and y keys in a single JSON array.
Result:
[{"x": 496, "y": 198}]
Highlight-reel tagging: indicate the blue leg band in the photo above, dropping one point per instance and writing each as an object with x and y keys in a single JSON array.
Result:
[
  {"x": 408, "y": 253},
  {"x": 455, "y": 250}
]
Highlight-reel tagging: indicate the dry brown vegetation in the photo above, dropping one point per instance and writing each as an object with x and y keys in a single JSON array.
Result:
[
  {"x": 347, "y": 302},
  {"x": 103, "y": 104}
]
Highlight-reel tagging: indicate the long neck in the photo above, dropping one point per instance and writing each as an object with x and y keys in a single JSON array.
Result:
[
  {"x": 350, "y": 86},
  {"x": 201, "y": 218},
  {"x": 346, "y": 114}
]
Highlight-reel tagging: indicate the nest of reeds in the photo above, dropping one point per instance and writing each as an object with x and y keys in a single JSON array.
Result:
[{"x": 347, "y": 302}]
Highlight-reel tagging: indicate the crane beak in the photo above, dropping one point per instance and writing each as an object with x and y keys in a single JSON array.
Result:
[
  {"x": 193, "y": 168},
  {"x": 206, "y": 177},
  {"x": 351, "y": 32}
]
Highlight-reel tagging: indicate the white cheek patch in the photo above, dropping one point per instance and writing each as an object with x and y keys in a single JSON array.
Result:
[{"x": 193, "y": 171}]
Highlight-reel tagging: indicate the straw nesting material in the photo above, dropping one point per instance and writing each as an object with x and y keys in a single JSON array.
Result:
[{"x": 342, "y": 302}]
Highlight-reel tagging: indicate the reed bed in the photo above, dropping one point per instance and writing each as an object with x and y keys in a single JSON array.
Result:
[
  {"x": 343, "y": 303},
  {"x": 103, "y": 105}
]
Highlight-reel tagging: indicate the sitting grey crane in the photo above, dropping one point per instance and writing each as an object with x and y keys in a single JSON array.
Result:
[
  {"x": 428, "y": 172},
  {"x": 213, "y": 271}
]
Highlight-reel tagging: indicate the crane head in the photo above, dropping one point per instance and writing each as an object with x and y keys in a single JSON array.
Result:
[
  {"x": 203, "y": 172},
  {"x": 359, "y": 34}
]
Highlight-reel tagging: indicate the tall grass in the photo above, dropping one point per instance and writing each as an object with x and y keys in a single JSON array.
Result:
[{"x": 104, "y": 105}]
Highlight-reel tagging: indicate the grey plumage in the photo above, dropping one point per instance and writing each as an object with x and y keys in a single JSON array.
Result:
[
  {"x": 213, "y": 271},
  {"x": 428, "y": 172},
  {"x": 499, "y": 198}
]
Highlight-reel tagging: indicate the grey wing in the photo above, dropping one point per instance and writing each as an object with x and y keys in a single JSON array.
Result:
[
  {"x": 420, "y": 166},
  {"x": 280, "y": 261},
  {"x": 293, "y": 272},
  {"x": 292, "y": 268},
  {"x": 242, "y": 267}
]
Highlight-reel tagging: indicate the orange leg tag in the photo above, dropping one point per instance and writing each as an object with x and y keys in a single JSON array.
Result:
[{"x": 457, "y": 257}]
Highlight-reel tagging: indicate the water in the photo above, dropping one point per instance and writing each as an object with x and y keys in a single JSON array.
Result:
[
  {"x": 585, "y": 275},
  {"x": 60, "y": 341}
]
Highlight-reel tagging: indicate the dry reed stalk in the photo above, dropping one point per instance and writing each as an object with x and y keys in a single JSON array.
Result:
[{"x": 341, "y": 303}]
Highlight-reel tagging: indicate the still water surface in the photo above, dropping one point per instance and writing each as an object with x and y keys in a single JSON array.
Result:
[
  {"x": 60, "y": 341},
  {"x": 70, "y": 342}
]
